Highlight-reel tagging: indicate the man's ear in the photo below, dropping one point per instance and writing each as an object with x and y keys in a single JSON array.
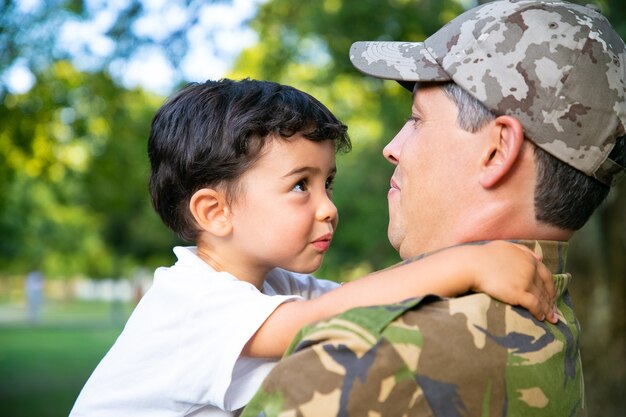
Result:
[
  {"x": 505, "y": 143},
  {"x": 211, "y": 211}
]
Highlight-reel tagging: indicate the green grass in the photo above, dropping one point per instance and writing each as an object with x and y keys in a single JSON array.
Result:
[{"x": 43, "y": 367}]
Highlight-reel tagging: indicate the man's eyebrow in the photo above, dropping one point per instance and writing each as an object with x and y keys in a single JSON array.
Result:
[
  {"x": 416, "y": 108},
  {"x": 416, "y": 112}
]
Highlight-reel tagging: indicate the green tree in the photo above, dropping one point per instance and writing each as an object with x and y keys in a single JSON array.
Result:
[{"x": 74, "y": 191}]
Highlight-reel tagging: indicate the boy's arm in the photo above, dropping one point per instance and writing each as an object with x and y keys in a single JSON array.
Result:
[{"x": 506, "y": 271}]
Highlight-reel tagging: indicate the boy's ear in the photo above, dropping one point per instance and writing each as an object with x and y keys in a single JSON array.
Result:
[
  {"x": 499, "y": 157},
  {"x": 211, "y": 211}
]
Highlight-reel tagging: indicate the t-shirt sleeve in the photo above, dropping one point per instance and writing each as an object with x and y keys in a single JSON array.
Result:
[
  {"x": 221, "y": 329},
  {"x": 280, "y": 281}
]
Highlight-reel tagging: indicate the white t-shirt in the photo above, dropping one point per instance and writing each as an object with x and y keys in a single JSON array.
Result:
[{"x": 178, "y": 354}]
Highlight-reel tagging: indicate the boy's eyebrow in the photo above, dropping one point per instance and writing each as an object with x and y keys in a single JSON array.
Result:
[{"x": 307, "y": 169}]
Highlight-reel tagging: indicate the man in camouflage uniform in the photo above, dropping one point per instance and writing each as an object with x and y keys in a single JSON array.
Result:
[{"x": 517, "y": 132}]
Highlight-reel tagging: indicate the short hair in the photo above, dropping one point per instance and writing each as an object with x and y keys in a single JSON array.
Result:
[
  {"x": 208, "y": 134},
  {"x": 564, "y": 196}
]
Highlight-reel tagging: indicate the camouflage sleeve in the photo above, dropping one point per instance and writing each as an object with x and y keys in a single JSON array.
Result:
[{"x": 469, "y": 356}]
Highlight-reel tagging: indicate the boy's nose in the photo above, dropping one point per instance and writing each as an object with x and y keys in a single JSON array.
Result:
[{"x": 327, "y": 211}]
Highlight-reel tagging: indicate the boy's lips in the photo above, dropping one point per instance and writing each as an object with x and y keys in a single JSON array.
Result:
[
  {"x": 322, "y": 243},
  {"x": 393, "y": 184}
]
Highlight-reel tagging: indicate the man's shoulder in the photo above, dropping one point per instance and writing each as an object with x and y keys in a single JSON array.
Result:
[
  {"x": 460, "y": 327},
  {"x": 433, "y": 356},
  {"x": 461, "y": 344}
]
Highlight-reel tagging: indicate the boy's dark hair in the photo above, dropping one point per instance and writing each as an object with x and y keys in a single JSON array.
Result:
[{"x": 208, "y": 134}]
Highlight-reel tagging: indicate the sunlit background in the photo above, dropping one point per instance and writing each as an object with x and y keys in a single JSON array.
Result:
[{"x": 79, "y": 84}]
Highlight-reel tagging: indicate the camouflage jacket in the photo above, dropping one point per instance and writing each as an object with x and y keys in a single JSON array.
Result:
[{"x": 465, "y": 356}]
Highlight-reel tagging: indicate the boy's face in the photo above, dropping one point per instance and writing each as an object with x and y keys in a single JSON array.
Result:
[{"x": 283, "y": 216}]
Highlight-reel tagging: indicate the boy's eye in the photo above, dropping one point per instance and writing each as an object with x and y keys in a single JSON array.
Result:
[
  {"x": 330, "y": 181},
  {"x": 300, "y": 186}
]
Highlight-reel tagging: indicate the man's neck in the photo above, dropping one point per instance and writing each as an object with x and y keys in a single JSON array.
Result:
[{"x": 553, "y": 252}]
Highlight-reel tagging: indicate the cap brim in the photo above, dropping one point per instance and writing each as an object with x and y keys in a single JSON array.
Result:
[{"x": 405, "y": 62}]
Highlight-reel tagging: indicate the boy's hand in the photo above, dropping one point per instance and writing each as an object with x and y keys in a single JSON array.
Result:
[{"x": 515, "y": 275}]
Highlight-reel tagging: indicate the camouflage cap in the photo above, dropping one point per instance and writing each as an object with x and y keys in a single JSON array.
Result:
[{"x": 559, "y": 68}]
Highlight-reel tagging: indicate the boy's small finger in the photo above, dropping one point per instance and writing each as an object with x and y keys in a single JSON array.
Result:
[{"x": 554, "y": 319}]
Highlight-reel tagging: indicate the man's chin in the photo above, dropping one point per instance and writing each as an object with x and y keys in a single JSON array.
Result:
[
  {"x": 403, "y": 254},
  {"x": 393, "y": 240}
]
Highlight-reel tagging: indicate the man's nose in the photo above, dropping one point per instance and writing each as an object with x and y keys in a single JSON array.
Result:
[{"x": 391, "y": 152}]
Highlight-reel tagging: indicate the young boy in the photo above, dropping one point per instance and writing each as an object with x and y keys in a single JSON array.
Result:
[{"x": 244, "y": 169}]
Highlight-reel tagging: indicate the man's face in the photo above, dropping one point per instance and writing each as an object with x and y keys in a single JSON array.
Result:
[{"x": 427, "y": 195}]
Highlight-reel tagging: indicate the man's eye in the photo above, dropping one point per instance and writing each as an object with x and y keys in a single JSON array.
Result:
[
  {"x": 413, "y": 120},
  {"x": 300, "y": 186}
]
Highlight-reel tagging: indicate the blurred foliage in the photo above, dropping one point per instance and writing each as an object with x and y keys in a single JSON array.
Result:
[
  {"x": 34, "y": 34},
  {"x": 73, "y": 195},
  {"x": 73, "y": 199}
]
